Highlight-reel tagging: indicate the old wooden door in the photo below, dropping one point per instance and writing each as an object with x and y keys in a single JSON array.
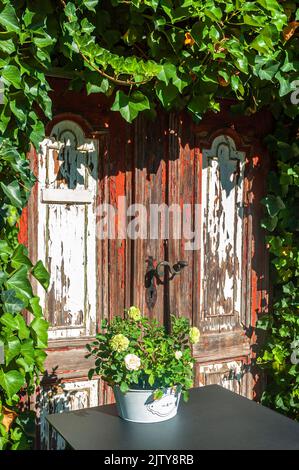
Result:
[
  {"x": 217, "y": 182},
  {"x": 212, "y": 174}
]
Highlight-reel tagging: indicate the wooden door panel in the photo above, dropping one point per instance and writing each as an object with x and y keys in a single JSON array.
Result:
[
  {"x": 231, "y": 375},
  {"x": 67, "y": 396},
  {"x": 222, "y": 223},
  {"x": 183, "y": 185},
  {"x": 66, "y": 206},
  {"x": 149, "y": 177}
]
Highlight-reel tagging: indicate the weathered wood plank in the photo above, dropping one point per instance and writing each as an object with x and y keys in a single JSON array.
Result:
[
  {"x": 222, "y": 216},
  {"x": 149, "y": 188},
  {"x": 67, "y": 173}
]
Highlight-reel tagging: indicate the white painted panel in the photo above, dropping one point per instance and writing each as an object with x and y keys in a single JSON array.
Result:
[
  {"x": 227, "y": 374},
  {"x": 68, "y": 396},
  {"x": 221, "y": 251},
  {"x": 67, "y": 196},
  {"x": 67, "y": 230}
]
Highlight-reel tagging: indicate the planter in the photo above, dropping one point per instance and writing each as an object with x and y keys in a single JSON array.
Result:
[{"x": 140, "y": 406}]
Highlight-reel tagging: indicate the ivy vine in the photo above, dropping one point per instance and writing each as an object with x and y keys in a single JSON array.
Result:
[{"x": 144, "y": 54}]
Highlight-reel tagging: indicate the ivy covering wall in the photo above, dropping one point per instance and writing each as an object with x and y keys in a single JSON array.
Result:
[{"x": 146, "y": 54}]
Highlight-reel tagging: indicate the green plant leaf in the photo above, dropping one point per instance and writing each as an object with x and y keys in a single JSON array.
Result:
[
  {"x": 7, "y": 46},
  {"x": 274, "y": 205},
  {"x": 101, "y": 86},
  {"x": 12, "y": 349},
  {"x": 8, "y": 19},
  {"x": 20, "y": 257},
  {"x": 34, "y": 306},
  {"x": 168, "y": 72},
  {"x": 41, "y": 274},
  {"x": 20, "y": 283},
  {"x": 130, "y": 106},
  {"x": 151, "y": 380},
  {"x": 23, "y": 330},
  {"x": 269, "y": 223},
  {"x": 124, "y": 387},
  {"x": 90, "y": 4},
  {"x": 11, "y": 74},
  {"x": 12, "y": 191},
  {"x": 11, "y": 381},
  {"x": 40, "y": 327},
  {"x": 11, "y": 302},
  {"x": 9, "y": 320},
  {"x": 166, "y": 94}
]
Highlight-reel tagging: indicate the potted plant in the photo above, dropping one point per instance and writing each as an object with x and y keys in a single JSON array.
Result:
[{"x": 148, "y": 368}]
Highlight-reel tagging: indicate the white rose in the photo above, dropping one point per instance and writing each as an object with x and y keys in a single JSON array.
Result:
[
  {"x": 178, "y": 354},
  {"x": 132, "y": 362}
]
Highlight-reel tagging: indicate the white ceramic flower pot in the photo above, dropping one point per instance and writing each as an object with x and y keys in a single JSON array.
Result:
[{"x": 140, "y": 406}]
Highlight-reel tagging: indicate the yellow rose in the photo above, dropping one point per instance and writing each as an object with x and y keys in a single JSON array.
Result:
[
  {"x": 134, "y": 313},
  {"x": 194, "y": 335},
  {"x": 119, "y": 343}
]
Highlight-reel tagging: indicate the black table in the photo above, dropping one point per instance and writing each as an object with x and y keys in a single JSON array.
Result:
[{"x": 213, "y": 418}]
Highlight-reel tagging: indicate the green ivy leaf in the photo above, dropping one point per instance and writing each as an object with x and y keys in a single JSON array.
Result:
[
  {"x": 11, "y": 303},
  {"x": 262, "y": 43},
  {"x": 274, "y": 204},
  {"x": 242, "y": 63},
  {"x": 269, "y": 223},
  {"x": 166, "y": 93},
  {"x": 130, "y": 106},
  {"x": 8, "y": 19},
  {"x": 90, "y": 4},
  {"x": 11, "y": 381},
  {"x": 11, "y": 75},
  {"x": 70, "y": 11},
  {"x": 7, "y": 46},
  {"x": 12, "y": 349},
  {"x": 39, "y": 359},
  {"x": 40, "y": 327},
  {"x": 37, "y": 133},
  {"x": 268, "y": 71},
  {"x": 41, "y": 274},
  {"x": 34, "y": 306},
  {"x": 213, "y": 12},
  {"x": 44, "y": 41},
  {"x": 285, "y": 85},
  {"x": 167, "y": 73},
  {"x": 19, "y": 257},
  {"x": 12, "y": 191},
  {"x": 20, "y": 283},
  {"x": 9, "y": 320},
  {"x": 23, "y": 330},
  {"x": 101, "y": 87}
]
